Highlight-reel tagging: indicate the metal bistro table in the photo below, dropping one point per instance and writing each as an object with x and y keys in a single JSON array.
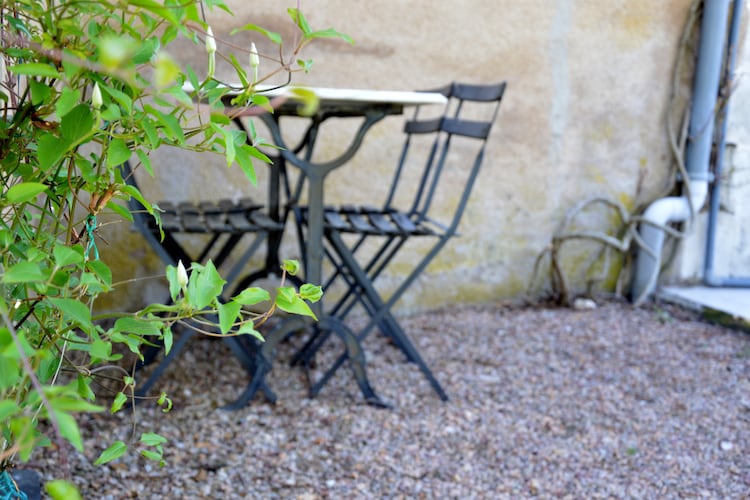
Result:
[{"x": 370, "y": 106}]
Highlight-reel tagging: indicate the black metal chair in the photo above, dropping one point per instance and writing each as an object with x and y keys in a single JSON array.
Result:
[
  {"x": 455, "y": 145},
  {"x": 224, "y": 224}
]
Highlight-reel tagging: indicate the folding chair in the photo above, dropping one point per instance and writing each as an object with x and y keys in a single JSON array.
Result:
[
  {"x": 224, "y": 224},
  {"x": 391, "y": 227}
]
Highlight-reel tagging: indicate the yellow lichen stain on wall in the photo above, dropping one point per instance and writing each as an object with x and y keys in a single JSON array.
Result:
[
  {"x": 594, "y": 174},
  {"x": 635, "y": 23},
  {"x": 603, "y": 132},
  {"x": 626, "y": 200}
]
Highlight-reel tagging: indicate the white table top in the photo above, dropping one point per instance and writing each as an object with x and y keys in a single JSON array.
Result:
[{"x": 341, "y": 95}]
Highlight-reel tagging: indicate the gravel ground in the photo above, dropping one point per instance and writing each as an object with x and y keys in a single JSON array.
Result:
[{"x": 613, "y": 402}]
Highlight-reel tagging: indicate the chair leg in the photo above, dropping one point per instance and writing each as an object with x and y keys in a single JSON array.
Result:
[
  {"x": 355, "y": 294},
  {"x": 381, "y": 311}
]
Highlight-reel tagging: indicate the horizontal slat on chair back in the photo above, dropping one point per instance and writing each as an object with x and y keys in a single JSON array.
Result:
[
  {"x": 467, "y": 128},
  {"x": 481, "y": 93},
  {"x": 423, "y": 126}
]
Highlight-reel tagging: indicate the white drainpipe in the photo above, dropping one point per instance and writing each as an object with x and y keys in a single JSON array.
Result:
[
  {"x": 697, "y": 156},
  {"x": 659, "y": 214}
]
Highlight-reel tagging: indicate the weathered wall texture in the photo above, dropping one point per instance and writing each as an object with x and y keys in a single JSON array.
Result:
[{"x": 584, "y": 115}]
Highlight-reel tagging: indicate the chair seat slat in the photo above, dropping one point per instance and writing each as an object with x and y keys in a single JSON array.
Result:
[
  {"x": 404, "y": 222},
  {"x": 382, "y": 222},
  {"x": 334, "y": 220}
]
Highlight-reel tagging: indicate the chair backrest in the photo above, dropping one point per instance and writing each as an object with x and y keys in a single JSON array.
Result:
[{"x": 457, "y": 121}]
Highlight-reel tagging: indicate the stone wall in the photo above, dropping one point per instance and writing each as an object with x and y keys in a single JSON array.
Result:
[{"x": 583, "y": 116}]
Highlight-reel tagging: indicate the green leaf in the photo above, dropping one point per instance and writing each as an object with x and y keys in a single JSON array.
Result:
[
  {"x": 146, "y": 51},
  {"x": 35, "y": 69},
  {"x": 228, "y": 314},
  {"x": 69, "y": 429},
  {"x": 120, "y": 210},
  {"x": 115, "y": 451},
  {"x": 119, "y": 402},
  {"x": 118, "y": 152},
  {"x": 174, "y": 285},
  {"x": 151, "y": 439},
  {"x": 330, "y": 33},
  {"x": 145, "y": 161},
  {"x": 100, "y": 349},
  {"x": 248, "y": 328},
  {"x": 74, "y": 310},
  {"x": 69, "y": 404},
  {"x": 291, "y": 266},
  {"x": 151, "y": 133},
  {"x": 192, "y": 77},
  {"x": 252, "y": 296},
  {"x": 299, "y": 20},
  {"x": 121, "y": 98},
  {"x": 50, "y": 150},
  {"x": 313, "y": 293},
  {"x": 306, "y": 66},
  {"x": 168, "y": 339},
  {"x": 111, "y": 113},
  {"x": 139, "y": 326},
  {"x": 18, "y": 25},
  {"x": 204, "y": 286},
  {"x": 257, "y": 153},
  {"x": 101, "y": 271},
  {"x": 59, "y": 489},
  {"x": 172, "y": 126},
  {"x": 292, "y": 303},
  {"x": 157, "y": 8},
  {"x": 40, "y": 92},
  {"x": 7, "y": 408},
  {"x": 164, "y": 401},
  {"x": 84, "y": 388},
  {"x": 77, "y": 125},
  {"x": 246, "y": 164},
  {"x": 10, "y": 373},
  {"x": 153, "y": 455},
  {"x": 25, "y": 272},
  {"x": 65, "y": 255},
  {"x": 25, "y": 191},
  {"x": 271, "y": 35},
  {"x": 239, "y": 71},
  {"x": 23, "y": 433},
  {"x": 68, "y": 100}
]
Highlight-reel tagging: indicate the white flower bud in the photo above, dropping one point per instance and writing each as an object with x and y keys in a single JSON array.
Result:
[
  {"x": 96, "y": 96},
  {"x": 210, "y": 41},
  {"x": 211, "y": 49},
  {"x": 182, "y": 276},
  {"x": 254, "y": 61},
  {"x": 254, "y": 57}
]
